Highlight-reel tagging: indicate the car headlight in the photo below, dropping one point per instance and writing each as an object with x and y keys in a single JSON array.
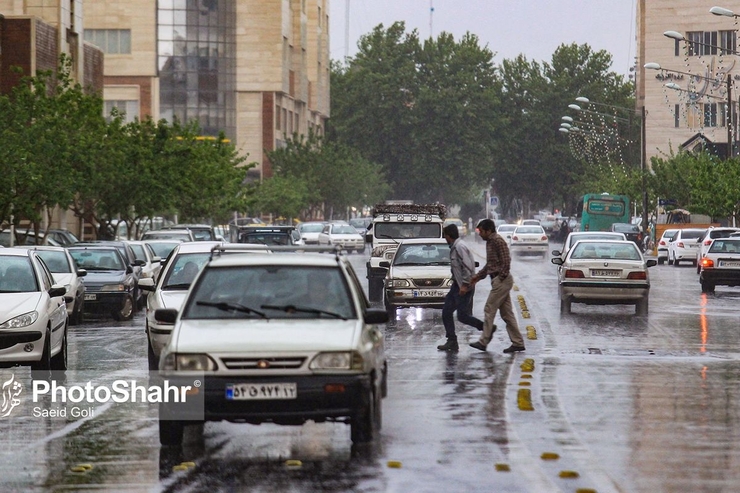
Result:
[
  {"x": 68, "y": 288},
  {"x": 448, "y": 283},
  {"x": 21, "y": 321},
  {"x": 114, "y": 287},
  {"x": 188, "y": 362},
  {"x": 348, "y": 360},
  {"x": 398, "y": 283}
]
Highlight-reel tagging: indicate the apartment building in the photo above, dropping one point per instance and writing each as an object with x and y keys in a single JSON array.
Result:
[
  {"x": 35, "y": 33},
  {"x": 686, "y": 98},
  {"x": 256, "y": 70}
]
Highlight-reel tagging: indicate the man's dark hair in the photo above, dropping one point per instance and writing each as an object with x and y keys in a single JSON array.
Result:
[
  {"x": 487, "y": 224},
  {"x": 451, "y": 231}
]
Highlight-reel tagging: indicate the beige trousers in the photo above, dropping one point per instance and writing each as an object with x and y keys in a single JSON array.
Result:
[{"x": 500, "y": 299}]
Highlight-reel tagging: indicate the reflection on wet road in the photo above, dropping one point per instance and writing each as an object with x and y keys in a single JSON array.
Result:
[{"x": 618, "y": 403}]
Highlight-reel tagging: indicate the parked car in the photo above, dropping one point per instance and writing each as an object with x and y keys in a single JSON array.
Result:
[
  {"x": 23, "y": 237},
  {"x": 63, "y": 236},
  {"x": 144, "y": 252},
  {"x": 168, "y": 234},
  {"x": 33, "y": 314},
  {"x": 170, "y": 288},
  {"x": 720, "y": 265},
  {"x": 65, "y": 272},
  {"x": 341, "y": 233},
  {"x": 705, "y": 241},
  {"x": 530, "y": 222},
  {"x": 277, "y": 338},
  {"x": 162, "y": 248},
  {"x": 663, "y": 241},
  {"x": 506, "y": 230},
  {"x": 529, "y": 240},
  {"x": 418, "y": 275},
  {"x": 310, "y": 231},
  {"x": 201, "y": 232},
  {"x": 684, "y": 246},
  {"x": 604, "y": 272},
  {"x": 110, "y": 284},
  {"x": 266, "y": 235},
  {"x": 129, "y": 257},
  {"x": 631, "y": 231}
]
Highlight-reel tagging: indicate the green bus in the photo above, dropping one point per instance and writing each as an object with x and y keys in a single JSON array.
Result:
[{"x": 601, "y": 210}]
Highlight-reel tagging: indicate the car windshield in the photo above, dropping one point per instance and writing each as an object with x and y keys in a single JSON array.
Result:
[
  {"x": 17, "y": 275},
  {"x": 164, "y": 249},
  {"x": 344, "y": 230},
  {"x": 721, "y": 233},
  {"x": 57, "y": 262},
  {"x": 311, "y": 228},
  {"x": 725, "y": 246},
  {"x": 202, "y": 234},
  {"x": 423, "y": 254},
  {"x": 625, "y": 228},
  {"x": 267, "y": 291},
  {"x": 100, "y": 259},
  {"x": 408, "y": 230},
  {"x": 265, "y": 238},
  {"x": 184, "y": 268},
  {"x": 529, "y": 230},
  {"x": 610, "y": 251}
]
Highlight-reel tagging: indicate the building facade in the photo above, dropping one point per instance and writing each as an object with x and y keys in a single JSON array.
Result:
[
  {"x": 686, "y": 97},
  {"x": 256, "y": 70}
]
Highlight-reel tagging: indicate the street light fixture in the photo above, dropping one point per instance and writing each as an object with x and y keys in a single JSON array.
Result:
[
  {"x": 566, "y": 118},
  {"x": 723, "y": 12}
]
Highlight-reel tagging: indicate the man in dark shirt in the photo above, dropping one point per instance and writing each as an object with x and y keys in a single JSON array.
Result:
[{"x": 498, "y": 264}]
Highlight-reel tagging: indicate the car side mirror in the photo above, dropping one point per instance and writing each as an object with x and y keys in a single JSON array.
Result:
[
  {"x": 147, "y": 284},
  {"x": 651, "y": 262},
  {"x": 372, "y": 316},
  {"x": 57, "y": 290},
  {"x": 385, "y": 264},
  {"x": 81, "y": 272},
  {"x": 477, "y": 264},
  {"x": 557, "y": 261},
  {"x": 156, "y": 260},
  {"x": 139, "y": 262},
  {"x": 556, "y": 253},
  {"x": 165, "y": 315}
]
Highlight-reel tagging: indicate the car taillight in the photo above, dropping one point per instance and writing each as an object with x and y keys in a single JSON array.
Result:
[
  {"x": 515, "y": 238},
  {"x": 574, "y": 274},
  {"x": 544, "y": 238},
  {"x": 707, "y": 263},
  {"x": 680, "y": 244},
  {"x": 637, "y": 275},
  {"x": 661, "y": 243},
  {"x": 707, "y": 242}
]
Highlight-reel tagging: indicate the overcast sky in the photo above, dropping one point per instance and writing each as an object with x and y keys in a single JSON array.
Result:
[{"x": 534, "y": 28}]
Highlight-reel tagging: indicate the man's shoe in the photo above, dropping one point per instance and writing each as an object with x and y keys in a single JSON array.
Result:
[
  {"x": 513, "y": 349},
  {"x": 478, "y": 345},
  {"x": 449, "y": 346}
]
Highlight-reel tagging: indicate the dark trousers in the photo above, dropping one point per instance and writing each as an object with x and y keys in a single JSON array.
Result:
[{"x": 463, "y": 303}]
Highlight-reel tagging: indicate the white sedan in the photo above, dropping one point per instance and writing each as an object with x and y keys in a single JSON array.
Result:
[
  {"x": 604, "y": 272},
  {"x": 684, "y": 246},
  {"x": 342, "y": 234},
  {"x": 529, "y": 240},
  {"x": 505, "y": 231}
]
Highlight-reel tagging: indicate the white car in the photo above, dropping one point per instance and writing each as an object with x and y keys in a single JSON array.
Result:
[
  {"x": 33, "y": 314},
  {"x": 684, "y": 246},
  {"x": 310, "y": 231},
  {"x": 529, "y": 240},
  {"x": 152, "y": 262},
  {"x": 65, "y": 272},
  {"x": 506, "y": 230},
  {"x": 576, "y": 236},
  {"x": 706, "y": 239},
  {"x": 277, "y": 338},
  {"x": 418, "y": 274},
  {"x": 721, "y": 264},
  {"x": 168, "y": 234},
  {"x": 342, "y": 234},
  {"x": 170, "y": 288},
  {"x": 663, "y": 241},
  {"x": 604, "y": 272}
]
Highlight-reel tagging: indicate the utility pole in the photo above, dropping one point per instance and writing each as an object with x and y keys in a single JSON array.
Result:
[
  {"x": 431, "y": 18},
  {"x": 643, "y": 168},
  {"x": 729, "y": 117},
  {"x": 346, "y": 29}
]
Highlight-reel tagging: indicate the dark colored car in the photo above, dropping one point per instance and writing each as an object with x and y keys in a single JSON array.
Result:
[
  {"x": 631, "y": 232},
  {"x": 110, "y": 285},
  {"x": 129, "y": 257},
  {"x": 265, "y": 235},
  {"x": 63, "y": 236}
]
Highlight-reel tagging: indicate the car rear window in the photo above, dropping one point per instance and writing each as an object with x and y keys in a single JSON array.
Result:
[
  {"x": 725, "y": 246},
  {"x": 691, "y": 234},
  {"x": 612, "y": 251},
  {"x": 721, "y": 233}
]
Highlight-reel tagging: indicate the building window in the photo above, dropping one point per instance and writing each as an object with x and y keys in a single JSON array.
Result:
[
  {"x": 677, "y": 116},
  {"x": 110, "y": 41},
  {"x": 705, "y": 115},
  {"x": 709, "y": 43},
  {"x": 277, "y": 117},
  {"x": 128, "y": 108}
]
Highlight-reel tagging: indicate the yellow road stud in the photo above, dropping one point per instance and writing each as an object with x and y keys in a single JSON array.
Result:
[
  {"x": 395, "y": 464},
  {"x": 549, "y": 456},
  {"x": 293, "y": 463},
  {"x": 503, "y": 467},
  {"x": 179, "y": 467},
  {"x": 78, "y": 469},
  {"x": 568, "y": 474}
]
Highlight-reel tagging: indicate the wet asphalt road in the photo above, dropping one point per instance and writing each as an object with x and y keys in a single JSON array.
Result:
[{"x": 617, "y": 403}]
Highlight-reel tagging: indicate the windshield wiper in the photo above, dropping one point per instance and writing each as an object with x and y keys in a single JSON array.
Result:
[
  {"x": 236, "y": 307},
  {"x": 295, "y": 309},
  {"x": 182, "y": 285}
]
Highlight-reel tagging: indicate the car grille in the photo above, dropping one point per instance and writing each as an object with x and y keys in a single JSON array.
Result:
[
  {"x": 425, "y": 283},
  {"x": 263, "y": 363}
]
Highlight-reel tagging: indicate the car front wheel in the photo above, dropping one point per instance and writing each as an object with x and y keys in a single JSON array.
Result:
[
  {"x": 59, "y": 362},
  {"x": 44, "y": 364},
  {"x": 171, "y": 432},
  {"x": 126, "y": 312},
  {"x": 365, "y": 423}
]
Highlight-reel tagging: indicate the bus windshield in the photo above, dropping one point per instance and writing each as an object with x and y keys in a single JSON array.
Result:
[{"x": 600, "y": 211}]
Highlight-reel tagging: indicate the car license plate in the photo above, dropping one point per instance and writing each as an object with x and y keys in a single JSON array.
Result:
[
  {"x": 429, "y": 294},
  {"x": 728, "y": 263},
  {"x": 605, "y": 273},
  {"x": 261, "y": 391},
  {"x": 91, "y": 297}
]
